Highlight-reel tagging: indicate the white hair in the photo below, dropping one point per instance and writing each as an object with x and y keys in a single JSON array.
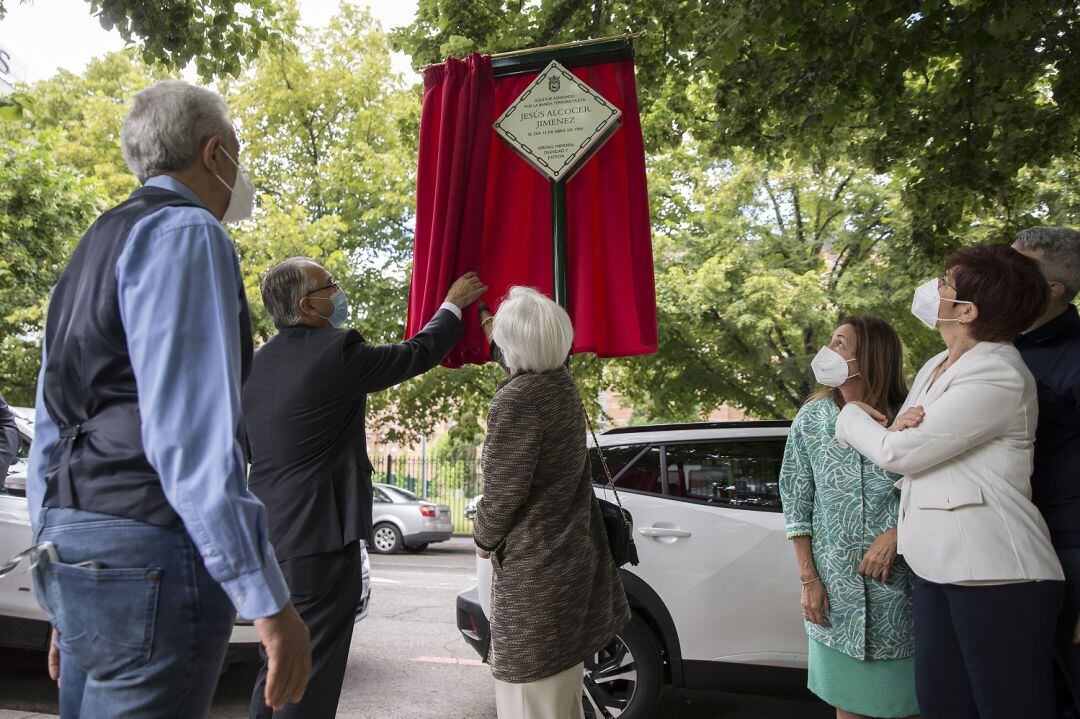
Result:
[
  {"x": 167, "y": 124},
  {"x": 534, "y": 333}
]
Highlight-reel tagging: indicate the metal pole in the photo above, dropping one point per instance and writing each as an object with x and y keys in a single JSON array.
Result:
[{"x": 559, "y": 233}]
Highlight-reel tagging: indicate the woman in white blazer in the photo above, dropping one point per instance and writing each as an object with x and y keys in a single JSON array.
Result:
[{"x": 988, "y": 584}]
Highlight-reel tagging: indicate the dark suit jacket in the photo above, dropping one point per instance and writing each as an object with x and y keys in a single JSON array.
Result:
[
  {"x": 9, "y": 439},
  {"x": 304, "y": 410}
]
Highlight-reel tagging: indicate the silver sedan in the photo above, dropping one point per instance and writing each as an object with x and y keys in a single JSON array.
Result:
[{"x": 405, "y": 521}]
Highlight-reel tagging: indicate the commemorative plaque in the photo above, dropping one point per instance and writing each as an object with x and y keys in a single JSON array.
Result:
[{"x": 558, "y": 122}]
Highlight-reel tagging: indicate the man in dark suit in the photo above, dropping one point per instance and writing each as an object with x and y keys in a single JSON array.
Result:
[
  {"x": 9, "y": 439},
  {"x": 304, "y": 408}
]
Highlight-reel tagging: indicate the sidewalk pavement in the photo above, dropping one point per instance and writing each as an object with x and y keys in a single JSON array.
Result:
[{"x": 9, "y": 714}]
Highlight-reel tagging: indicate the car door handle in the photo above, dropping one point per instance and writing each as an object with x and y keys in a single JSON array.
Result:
[{"x": 663, "y": 532}]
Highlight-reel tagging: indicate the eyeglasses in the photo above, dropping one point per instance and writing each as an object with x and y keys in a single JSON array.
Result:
[
  {"x": 324, "y": 287},
  {"x": 942, "y": 282}
]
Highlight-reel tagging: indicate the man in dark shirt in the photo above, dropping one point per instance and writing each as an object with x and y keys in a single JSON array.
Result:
[
  {"x": 1051, "y": 350},
  {"x": 304, "y": 407}
]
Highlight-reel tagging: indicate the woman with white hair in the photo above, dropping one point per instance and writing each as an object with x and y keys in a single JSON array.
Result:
[{"x": 556, "y": 595}]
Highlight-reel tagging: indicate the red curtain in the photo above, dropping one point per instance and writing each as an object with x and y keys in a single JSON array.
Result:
[
  {"x": 455, "y": 136},
  {"x": 611, "y": 290}
]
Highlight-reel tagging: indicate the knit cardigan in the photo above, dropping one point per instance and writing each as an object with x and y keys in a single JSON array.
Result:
[{"x": 556, "y": 595}]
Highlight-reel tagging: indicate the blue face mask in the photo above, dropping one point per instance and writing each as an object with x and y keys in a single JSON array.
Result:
[{"x": 341, "y": 308}]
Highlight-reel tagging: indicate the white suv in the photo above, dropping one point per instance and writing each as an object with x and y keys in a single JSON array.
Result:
[
  {"x": 22, "y": 623},
  {"x": 716, "y": 595}
]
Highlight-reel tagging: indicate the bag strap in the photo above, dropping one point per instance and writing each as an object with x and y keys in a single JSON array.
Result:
[{"x": 603, "y": 462}]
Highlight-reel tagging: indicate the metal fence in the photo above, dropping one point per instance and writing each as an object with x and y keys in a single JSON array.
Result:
[{"x": 452, "y": 481}]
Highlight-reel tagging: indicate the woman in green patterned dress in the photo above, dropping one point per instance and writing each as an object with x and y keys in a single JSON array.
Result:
[{"x": 841, "y": 512}]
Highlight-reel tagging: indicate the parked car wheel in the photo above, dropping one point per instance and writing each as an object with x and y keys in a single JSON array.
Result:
[
  {"x": 416, "y": 548},
  {"x": 387, "y": 539},
  {"x": 625, "y": 677}
]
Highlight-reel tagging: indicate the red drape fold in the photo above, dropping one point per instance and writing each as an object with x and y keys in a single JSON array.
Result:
[
  {"x": 455, "y": 136},
  {"x": 504, "y": 232}
]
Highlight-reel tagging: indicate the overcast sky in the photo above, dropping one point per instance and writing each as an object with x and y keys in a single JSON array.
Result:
[{"x": 45, "y": 35}]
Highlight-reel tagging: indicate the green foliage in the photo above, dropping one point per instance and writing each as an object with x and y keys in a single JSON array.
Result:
[
  {"x": 276, "y": 233},
  {"x": 86, "y": 112},
  {"x": 10, "y": 109},
  {"x": 755, "y": 266},
  {"x": 758, "y": 263},
  {"x": 44, "y": 208},
  {"x": 807, "y": 161},
  {"x": 61, "y": 166},
  {"x": 219, "y": 35},
  {"x": 953, "y": 99},
  {"x": 326, "y": 126}
]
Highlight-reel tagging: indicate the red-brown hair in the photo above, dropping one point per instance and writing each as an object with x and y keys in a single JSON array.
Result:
[{"x": 1008, "y": 288}]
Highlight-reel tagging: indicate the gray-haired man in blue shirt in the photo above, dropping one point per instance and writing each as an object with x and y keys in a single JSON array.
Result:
[{"x": 137, "y": 478}]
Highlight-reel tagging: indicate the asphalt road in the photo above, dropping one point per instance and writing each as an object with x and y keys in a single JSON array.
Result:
[{"x": 408, "y": 660}]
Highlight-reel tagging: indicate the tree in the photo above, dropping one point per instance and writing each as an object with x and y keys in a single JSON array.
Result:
[
  {"x": 219, "y": 35},
  {"x": 953, "y": 99},
  {"x": 328, "y": 133},
  {"x": 61, "y": 166},
  {"x": 86, "y": 112},
  {"x": 328, "y": 127},
  {"x": 275, "y": 233},
  {"x": 44, "y": 208},
  {"x": 756, "y": 264}
]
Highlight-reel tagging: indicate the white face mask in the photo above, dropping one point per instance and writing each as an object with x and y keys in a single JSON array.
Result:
[
  {"x": 926, "y": 302},
  {"x": 830, "y": 367},
  {"x": 242, "y": 200}
]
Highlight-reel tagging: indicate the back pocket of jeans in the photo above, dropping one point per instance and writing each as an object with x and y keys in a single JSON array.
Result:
[{"x": 106, "y": 617}]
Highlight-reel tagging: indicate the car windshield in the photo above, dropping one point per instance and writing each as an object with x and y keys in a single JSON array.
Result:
[{"x": 409, "y": 496}]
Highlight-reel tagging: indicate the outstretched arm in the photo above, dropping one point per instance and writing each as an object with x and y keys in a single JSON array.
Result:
[{"x": 372, "y": 368}]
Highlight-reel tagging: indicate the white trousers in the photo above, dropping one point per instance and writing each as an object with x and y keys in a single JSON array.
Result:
[{"x": 554, "y": 697}]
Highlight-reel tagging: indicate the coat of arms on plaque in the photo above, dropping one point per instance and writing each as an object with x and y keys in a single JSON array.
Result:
[{"x": 554, "y": 83}]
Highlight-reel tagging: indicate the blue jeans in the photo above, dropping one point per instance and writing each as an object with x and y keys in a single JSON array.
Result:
[{"x": 144, "y": 633}]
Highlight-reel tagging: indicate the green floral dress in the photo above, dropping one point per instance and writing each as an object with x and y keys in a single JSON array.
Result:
[
  {"x": 844, "y": 502},
  {"x": 862, "y": 663}
]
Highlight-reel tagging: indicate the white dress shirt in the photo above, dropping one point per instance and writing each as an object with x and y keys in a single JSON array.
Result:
[{"x": 452, "y": 307}]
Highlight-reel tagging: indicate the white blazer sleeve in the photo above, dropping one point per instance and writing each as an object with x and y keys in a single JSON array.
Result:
[{"x": 975, "y": 408}]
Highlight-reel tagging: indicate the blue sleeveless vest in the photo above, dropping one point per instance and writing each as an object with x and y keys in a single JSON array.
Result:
[{"x": 89, "y": 385}]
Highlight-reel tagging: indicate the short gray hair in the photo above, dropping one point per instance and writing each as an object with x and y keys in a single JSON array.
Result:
[
  {"x": 282, "y": 287},
  {"x": 533, "y": 332},
  {"x": 1061, "y": 254},
  {"x": 167, "y": 124}
]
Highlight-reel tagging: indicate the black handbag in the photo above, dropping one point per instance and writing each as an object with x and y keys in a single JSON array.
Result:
[
  {"x": 618, "y": 522},
  {"x": 620, "y": 533}
]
